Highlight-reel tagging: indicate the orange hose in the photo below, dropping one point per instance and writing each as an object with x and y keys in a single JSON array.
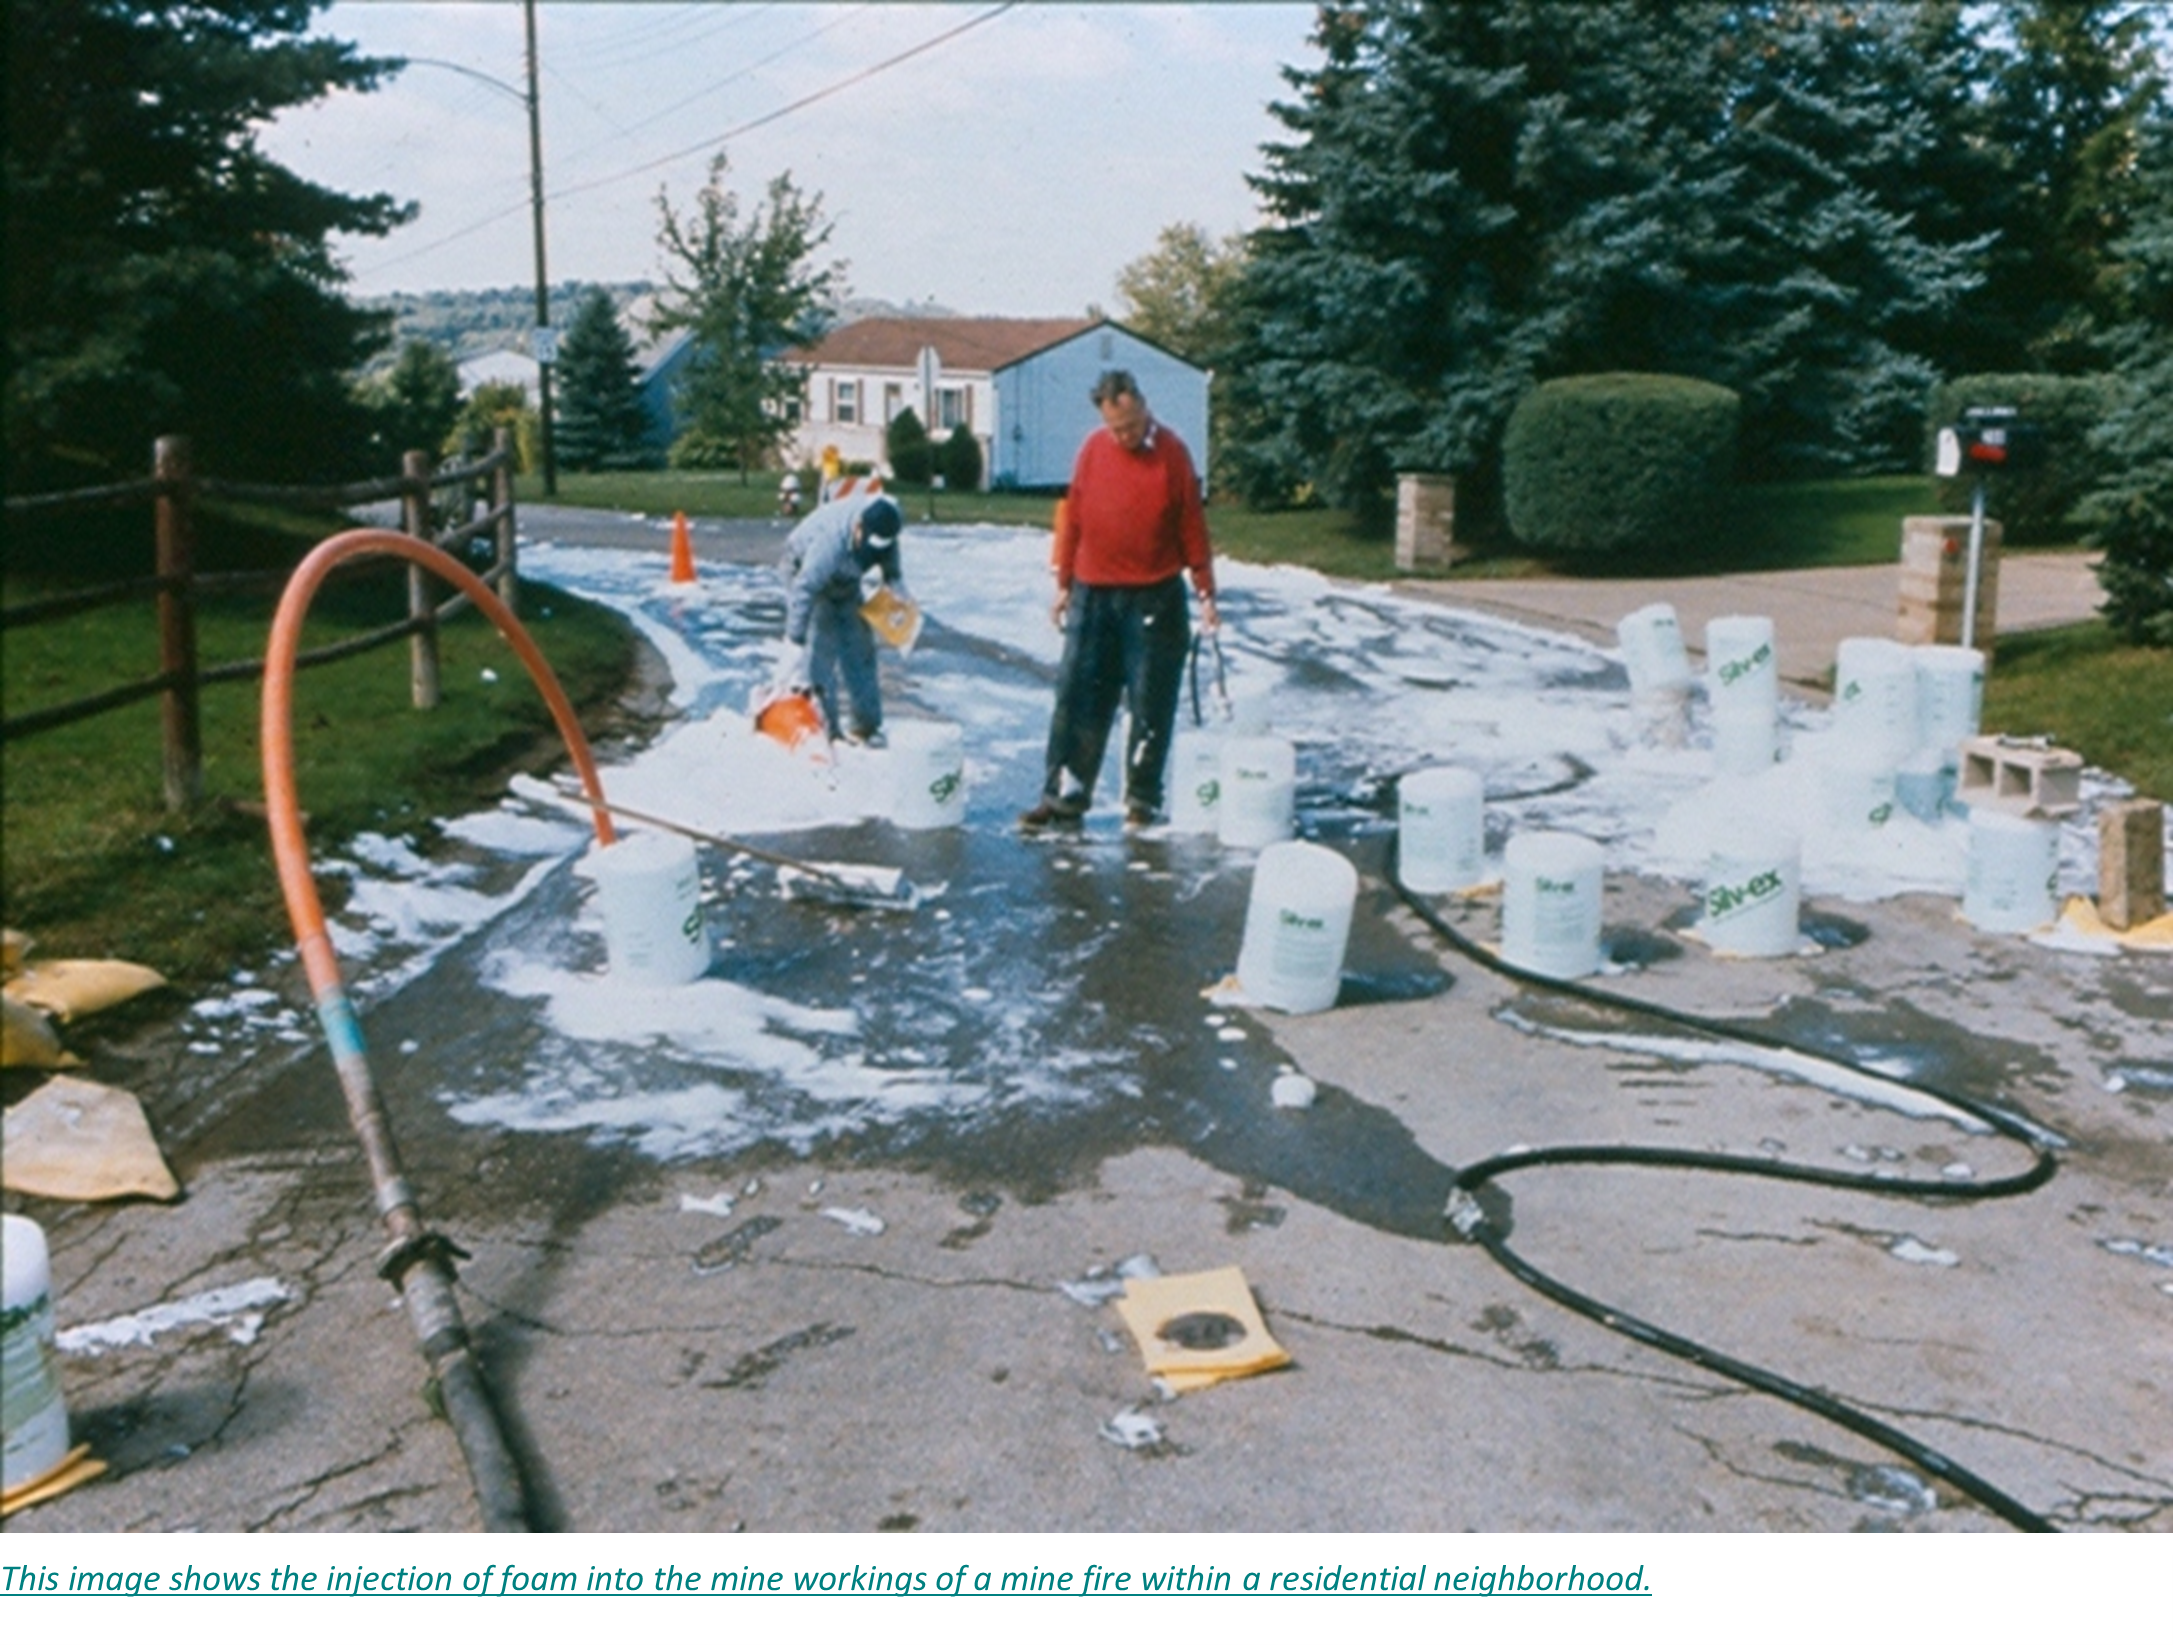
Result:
[{"x": 290, "y": 850}]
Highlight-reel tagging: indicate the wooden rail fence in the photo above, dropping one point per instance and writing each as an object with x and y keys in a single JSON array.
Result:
[{"x": 173, "y": 488}]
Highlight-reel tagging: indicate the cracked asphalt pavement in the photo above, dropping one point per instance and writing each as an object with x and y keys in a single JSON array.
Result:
[{"x": 867, "y": 1338}]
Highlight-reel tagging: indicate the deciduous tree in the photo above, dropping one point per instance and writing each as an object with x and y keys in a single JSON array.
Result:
[{"x": 749, "y": 287}]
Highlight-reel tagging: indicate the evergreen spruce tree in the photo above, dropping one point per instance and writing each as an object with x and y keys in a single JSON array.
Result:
[
  {"x": 163, "y": 274},
  {"x": 2133, "y": 503},
  {"x": 600, "y": 420}
]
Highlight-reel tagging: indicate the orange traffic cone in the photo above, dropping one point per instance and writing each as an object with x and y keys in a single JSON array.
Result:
[{"x": 682, "y": 551}]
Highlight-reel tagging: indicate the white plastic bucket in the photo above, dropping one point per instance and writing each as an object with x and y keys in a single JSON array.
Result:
[
  {"x": 927, "y": 773},
  {"x": 1297, "y": 926},
  {"x": 1259, "y": 800},
  {"x": 1662, "y": 716},
  {"x": 1745, "y": 745},
  {"x": 1949, "y": 698},
  {"x": 1875, "y": 696},
  {"x": 1753, "y": 894},
  {"x": 1652, "y": 650},
  {"x": 1195, "y": 784},
  {"x": 2014, "y": 863},
  {"x": 1857, "y": 790},
  {"x": 649, "y": 890},
  {"x": 1550, "y": 911},
  {"x": 1924, "y": 784},
  {"x": 33, "y": 1417},
  {"x": 1441, "y": 829},
  {"x": 1743, "y": 689},
  {"x": 1249, "y": 711}
]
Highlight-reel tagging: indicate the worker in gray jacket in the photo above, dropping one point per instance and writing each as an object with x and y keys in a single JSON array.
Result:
[{"x": 827, "y": 558}]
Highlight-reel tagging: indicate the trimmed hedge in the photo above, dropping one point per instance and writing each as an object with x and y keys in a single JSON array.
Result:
[
  {"x": 1593, "y": 465},
  {"x": 2037, "y": 505}
]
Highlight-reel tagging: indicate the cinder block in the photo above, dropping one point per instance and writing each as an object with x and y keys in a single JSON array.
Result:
[
  {"x": 2131, "y": 863},
  {"x": 2024, "y": 775}
]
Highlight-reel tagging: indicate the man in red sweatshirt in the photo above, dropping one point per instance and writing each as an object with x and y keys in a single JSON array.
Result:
[{"x": 1129, "y": 533}]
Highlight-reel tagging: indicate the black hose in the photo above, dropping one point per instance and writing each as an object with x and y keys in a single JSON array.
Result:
[{"x": 1471, "y": 1220}]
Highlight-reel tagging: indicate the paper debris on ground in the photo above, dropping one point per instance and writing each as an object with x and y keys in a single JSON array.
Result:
[
  {"x": 67, "y": 989},
  {"x": 76, "y": 1139},
  {"x": 2081, "y": 918},
  {"x": 1194, "y": 1330}
]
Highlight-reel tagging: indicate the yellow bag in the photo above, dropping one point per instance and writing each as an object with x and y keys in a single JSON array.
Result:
[
  {"x": 69, "y": 989},
  {"x": 29, "y": 1040},
  {"x": 895, "y": 618}
]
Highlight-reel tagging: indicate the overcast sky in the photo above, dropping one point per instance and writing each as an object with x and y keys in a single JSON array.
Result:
[{"x": 1012, "y": 169}]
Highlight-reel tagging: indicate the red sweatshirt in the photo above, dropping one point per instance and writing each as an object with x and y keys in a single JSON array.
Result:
[{"x": 1133, "y": 517}]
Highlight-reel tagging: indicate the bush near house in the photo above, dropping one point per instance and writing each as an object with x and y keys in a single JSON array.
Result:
[
  {"x": 958, "y": 460},
  {"x": 2034, "y": 506},
  {"x": 1622, "y": 461},
  {"x": 912, "y": 455}
]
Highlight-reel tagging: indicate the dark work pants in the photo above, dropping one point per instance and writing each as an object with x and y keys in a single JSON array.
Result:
[{"x": 1121, "y": 646}]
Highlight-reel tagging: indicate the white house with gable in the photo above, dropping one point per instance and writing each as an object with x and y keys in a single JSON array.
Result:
[{"x": 1018, "y": 386}]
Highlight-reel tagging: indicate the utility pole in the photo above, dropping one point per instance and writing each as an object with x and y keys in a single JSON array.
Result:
[{"x": 546, "y": 343}]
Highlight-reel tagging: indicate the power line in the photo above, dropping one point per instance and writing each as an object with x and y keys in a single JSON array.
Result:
[{"x": 858, "y": 78}]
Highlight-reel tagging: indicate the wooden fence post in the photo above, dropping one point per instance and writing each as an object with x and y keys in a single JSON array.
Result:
[
  {"x": 422, "y": 645},
  {"x": 501, "y": 502},
  {"x": 181, "y": 722}
]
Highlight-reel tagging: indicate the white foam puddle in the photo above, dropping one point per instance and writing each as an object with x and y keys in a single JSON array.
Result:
[{"x": 237, "y": 1310}]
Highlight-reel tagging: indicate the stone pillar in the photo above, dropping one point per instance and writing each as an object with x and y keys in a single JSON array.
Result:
[
  {"x": 1934, "y": 572},
  {"x": 1425, "y": 521}
]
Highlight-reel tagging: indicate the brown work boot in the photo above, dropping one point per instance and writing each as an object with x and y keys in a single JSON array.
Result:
[{"x": 1048, "y": 814}]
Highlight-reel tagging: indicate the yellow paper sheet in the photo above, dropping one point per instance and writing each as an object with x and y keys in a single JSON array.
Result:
[
  {"x": 2081, "y": 914},
  {"x": 76, "y": 1139},
  {"x": 65, "y": 1475},
  {"x": 1220, "y": 1296}
]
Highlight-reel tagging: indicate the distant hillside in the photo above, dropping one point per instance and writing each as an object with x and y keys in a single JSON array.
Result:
[{"x": 468, "y": 323}]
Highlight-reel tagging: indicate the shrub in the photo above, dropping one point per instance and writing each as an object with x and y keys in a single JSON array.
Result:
[
  {"x": 1593, "y": 465},
  {"x": 958, "y": 459},
  {"x": 697, "y": 450},
  {"x": 2035, "y": 505},
  {"x": 912, "y": 456}
]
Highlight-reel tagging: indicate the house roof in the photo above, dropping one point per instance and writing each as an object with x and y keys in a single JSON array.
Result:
[{"x": 962, "y": 344}]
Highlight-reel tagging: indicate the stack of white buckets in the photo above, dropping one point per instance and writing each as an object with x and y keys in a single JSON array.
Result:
[
  {"x": 1901, "y": 713},
  {"x": 649, "y": 884},
  {"x": 1243, "y": 788}
]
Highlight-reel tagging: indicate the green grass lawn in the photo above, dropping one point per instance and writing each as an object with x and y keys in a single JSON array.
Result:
[
  {"x": 2111, "y": 703},
  {"x": 1773, "y": 528},
  {"x": 94, "y": 865}
]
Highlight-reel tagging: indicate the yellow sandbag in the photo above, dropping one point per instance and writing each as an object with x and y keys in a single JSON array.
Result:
[
  {"x": 29, "y": 1040},
  {"x": 895, "y": 618},
  {"x": 76, "y": 1139},
  {"x": 68, "y": 989}
]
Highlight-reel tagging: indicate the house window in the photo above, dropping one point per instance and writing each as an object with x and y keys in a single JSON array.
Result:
[
  {"x": 953, "y": 406},
  {"x": 893, "y": 398},
  {"x": 846, "y": 403}
]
